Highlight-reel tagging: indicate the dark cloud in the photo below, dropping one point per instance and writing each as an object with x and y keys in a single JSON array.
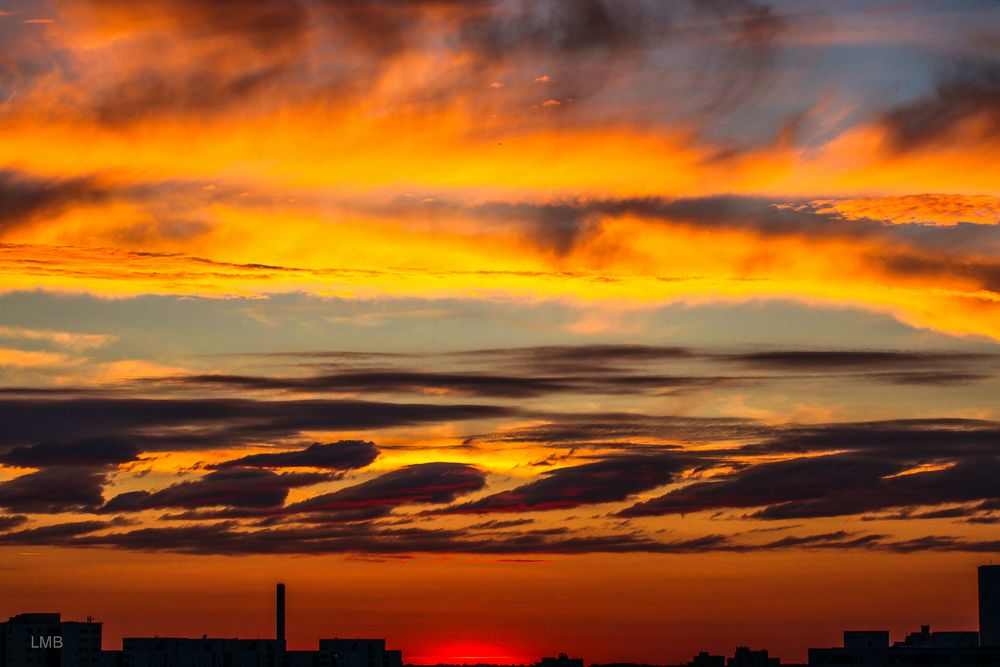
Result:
[
  {"x": 826, "y": 360},
  {"x": 574, "y": 27},
  {"x": 897, "y": 440},
  {"x": 267, "y": 54},
  {"x": 266, "y": 516},
  {"x": 943, "y": 543},
  {"x": 971, "y": 92},
  {"x": 197, "y": 90},
  {"x": 943, "y": 513},
  {"x": 12, "y": 521},
  {"x": 24, "y": 197},
  {"x": 499, "y": 524},
  {"x": 352, "y": 515},
  {"x": 833, "y": 485},
  {"x": 930, "y": 378},
  {"x": 422, "y": 483},
  {"x": 965, "y": 481},
  {"x": 627, "y": 430},
  {"x": 741, "y": 71},
  {"x": 263, "y": 24},
  {"x": 58, "y": 533},
  {"x": 559, "y": 225},
  {"x": 839, "y": 539},
  {"x": 239, "y": 488},
  {"x": 279, "y": 40},
  {"x": 80, "y": 453},
  {"x": 394, "y": 381},
  {"x": 486, "y": 385},
  {"x": 611, "y": 369},
  {"x": 610, "y": 480},
  {"x": 341, "y": 455},
  {"x": 985, "y": 520},
  {"x": 53, "y": 490},
  {"x": 581, "y": 358},
  {"x": 229, "y": 538},
  {"x": 164, "y": 424}
]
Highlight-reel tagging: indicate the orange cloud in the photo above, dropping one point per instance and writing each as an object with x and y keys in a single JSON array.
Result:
[
  {"x": 67, "y": 339},
  {"x": 932, "y": 209},
  {"x": 29, "y": 359},
  {"x": 623, "y": 260}
]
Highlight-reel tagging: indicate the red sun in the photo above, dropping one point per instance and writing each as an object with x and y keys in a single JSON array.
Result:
[{"x": 470, "y": 652}]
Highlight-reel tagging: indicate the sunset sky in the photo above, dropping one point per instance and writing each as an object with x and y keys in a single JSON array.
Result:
[{"x": 498, "y": 328}]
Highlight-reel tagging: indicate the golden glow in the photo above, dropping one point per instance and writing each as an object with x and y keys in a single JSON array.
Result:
[
  {"x": 623, "y": 260},
  {"x": 936, "y": 209}
]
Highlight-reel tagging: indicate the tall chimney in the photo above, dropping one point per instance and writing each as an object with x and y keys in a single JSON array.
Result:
[
  {"x": 989, "y": 605},
  {"x": 279, "y": 616}
]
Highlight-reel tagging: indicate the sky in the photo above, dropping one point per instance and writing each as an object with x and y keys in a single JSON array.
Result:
[{"x": 500, "y": 328}]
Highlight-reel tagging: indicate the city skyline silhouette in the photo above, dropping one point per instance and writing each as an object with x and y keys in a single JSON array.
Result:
[{"x": 45, "y": 638}]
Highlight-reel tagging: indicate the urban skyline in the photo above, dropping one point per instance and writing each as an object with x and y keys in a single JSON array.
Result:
[{"x": 44, "y": 638}]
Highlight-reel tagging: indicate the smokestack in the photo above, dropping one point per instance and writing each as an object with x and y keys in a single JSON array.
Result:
[
  {"x": 989, "y": 605},
  {"x": 279, "y": 616}
]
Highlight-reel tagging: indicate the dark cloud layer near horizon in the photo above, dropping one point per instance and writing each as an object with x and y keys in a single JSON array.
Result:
[
  {"x": 342, "y": 455},
  {"x": 169, "y": 423},
  {"x": 54, "y": 490},
  {"x": 933, "y": 469},
  {"x": 98, "y": 452},
  {"x": 610, "y": 480},
  {"x": 241, "y": 488},
  {"x": 228, "y": 538},
  {"x": 832, "y": 485},
  {"x": 421, "y": 483}
]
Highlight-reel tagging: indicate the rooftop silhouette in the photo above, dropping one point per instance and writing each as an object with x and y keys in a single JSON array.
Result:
[{"x": 30, "y": 639}]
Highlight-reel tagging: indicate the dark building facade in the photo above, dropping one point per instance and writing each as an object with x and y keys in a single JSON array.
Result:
[
  {"x": 926, "y": 648},
  {"x": 46, "y": 640},
  {"x": 705, "y": 659},
  {"x": 562, "y": 660},
  {"x": 866, "y": 639},
  {"x": 357, "y": 653},
  {"x": 744, "y": 657},
  {"x": 180, "y": 652},
  {"x": 919, "y": 649},
  {"x": 989, "y": 605}
]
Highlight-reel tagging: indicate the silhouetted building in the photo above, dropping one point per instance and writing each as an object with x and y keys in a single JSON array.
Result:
[
  {"x": 279, "y": 613},
  {"x": 866, "y": 639},
  {"x": 704, "y": 659},
  {"x": 744, "y": 657},
  {"x": 46, "y": 639},
  {"x": 939, "y": 639},
  {"x": 301, "y": 658},
  {"x": 923, "y": 649},
  {"x": 926, "y": 648},
  {"x": 562, "y": 661},
  {"x": 989, "y": 605},
  {"x": 205, "y": 652},
  {"x": 357, "y": 653}
]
